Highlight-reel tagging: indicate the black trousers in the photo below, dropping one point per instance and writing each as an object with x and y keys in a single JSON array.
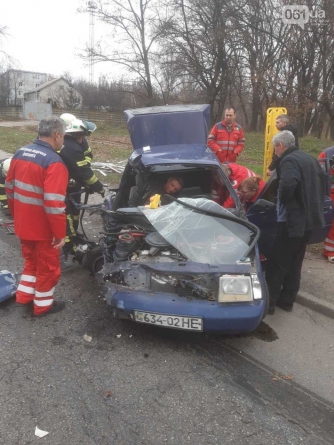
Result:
[{"x": 284, "y": 266}]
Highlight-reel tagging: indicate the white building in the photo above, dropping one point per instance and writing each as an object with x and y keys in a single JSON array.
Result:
[
  {"x": 15, "y": 83},
  {"x": 57, "y": 92}
]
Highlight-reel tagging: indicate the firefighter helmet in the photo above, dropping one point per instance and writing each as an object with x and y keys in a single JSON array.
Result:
[
  {"x": 5, "y": 165},
  {"x": 67, "y": 118},
  {"x": 78, "y": 126}
]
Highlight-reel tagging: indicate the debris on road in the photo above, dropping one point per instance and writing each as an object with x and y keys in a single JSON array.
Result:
[
  {"x": 109, "y": 167},
  {"x": 87, "y": 338},
  {"x": 40, "y": 433},
  {"x": 119, "y": 335}
]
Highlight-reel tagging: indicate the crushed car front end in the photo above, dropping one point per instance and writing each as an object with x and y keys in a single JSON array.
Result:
[{"x": 191, "y": 266}]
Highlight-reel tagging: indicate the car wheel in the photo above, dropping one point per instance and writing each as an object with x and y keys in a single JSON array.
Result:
[{"x": 94, "y": 260}]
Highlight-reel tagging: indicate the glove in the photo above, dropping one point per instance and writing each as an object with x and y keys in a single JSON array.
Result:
[{"x": 101, "y": 192}]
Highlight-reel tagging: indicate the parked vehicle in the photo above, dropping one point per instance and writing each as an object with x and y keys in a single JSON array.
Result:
[{"x": 190, "y": 264}]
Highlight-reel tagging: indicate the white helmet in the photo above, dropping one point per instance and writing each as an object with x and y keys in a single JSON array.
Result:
[
  {"x": 78, "y": 126},
  {"x": 67, "y": 118},
  {"x": 6, "y": 165}
]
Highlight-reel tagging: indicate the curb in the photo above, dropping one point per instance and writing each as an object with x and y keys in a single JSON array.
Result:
[{"x": 314, "y": 303}]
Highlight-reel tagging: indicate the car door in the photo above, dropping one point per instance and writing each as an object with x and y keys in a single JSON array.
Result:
[{"x": 263, "y": 213}]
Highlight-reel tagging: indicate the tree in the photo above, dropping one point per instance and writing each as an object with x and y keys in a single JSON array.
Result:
[
  {"x": 196, "y": 35},
  {"x": 133, "y": 23}
]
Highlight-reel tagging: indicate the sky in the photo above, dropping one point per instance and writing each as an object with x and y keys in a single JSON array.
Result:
[{"x": 46, "y": 36}]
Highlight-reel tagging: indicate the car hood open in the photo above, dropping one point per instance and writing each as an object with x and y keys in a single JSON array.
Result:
[
  {"x": 168, "y": 125},
  {"x": 189, "y": 226}
]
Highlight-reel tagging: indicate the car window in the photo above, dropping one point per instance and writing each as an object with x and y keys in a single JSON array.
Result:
[{"x": 270, "y": 191}]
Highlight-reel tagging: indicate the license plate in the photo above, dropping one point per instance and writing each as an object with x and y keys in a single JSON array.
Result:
[{"x": 170, "y": 321}]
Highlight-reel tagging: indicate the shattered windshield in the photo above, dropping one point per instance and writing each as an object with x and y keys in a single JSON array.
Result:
[{"x": 199, "y": 237}]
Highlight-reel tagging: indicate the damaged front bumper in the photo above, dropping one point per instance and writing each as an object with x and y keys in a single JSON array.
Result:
[{"x": 227, "y": 318}]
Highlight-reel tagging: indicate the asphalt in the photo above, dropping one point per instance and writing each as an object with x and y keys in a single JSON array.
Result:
[{"x": 317, "y": 280}]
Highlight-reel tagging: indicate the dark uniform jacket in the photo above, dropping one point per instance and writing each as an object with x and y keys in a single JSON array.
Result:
[
  {"x": 301, "y": 189},
  {"x": 294, "y": 131},
  {"x": 74, "y": 156}
]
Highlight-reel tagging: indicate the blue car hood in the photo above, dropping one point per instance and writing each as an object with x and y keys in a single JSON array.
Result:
[
  {"x": 174, "y": 154},
  {"x": 168, "y": 125}
]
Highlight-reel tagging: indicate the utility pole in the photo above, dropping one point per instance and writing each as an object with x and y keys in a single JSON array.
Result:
[{"x": 91, "y": 8}]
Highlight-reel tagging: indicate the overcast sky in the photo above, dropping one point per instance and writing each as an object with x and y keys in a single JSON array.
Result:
[{"x": 47, "y": 35}]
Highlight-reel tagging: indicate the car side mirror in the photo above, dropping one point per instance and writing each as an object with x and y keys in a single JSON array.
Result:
[{"x": 263, "y": 204}]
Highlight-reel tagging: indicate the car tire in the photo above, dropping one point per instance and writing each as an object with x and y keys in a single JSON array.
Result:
[{"x": 94, "y": 260}]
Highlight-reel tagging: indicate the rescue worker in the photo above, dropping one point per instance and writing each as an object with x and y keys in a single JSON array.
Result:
[
  {"x": 227, "y": 138},
  {"x": 236, "y": 174},
  {"x": 77, "y": 155},
  {"x": 328, "y": 153},
  {"x": 36, "y": 186},
  {"x": 4, "y": 167},
  {"x": 248, "y": 191}
]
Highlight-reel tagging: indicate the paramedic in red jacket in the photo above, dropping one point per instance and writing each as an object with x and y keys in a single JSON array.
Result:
[
  {"x": 328, "y": 153},
  {"x": 236, "y": 174},
  {"x": 249, "y": 190},
  {"x": 36, "y": 186},
  {"x": 227, "y": 138}
]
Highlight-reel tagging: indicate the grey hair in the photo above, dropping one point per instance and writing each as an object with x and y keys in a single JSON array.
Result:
[
  {"x": 48, "y": 126},
  {"x": 283, "y": 118},
  {"x": 284, "y": 137}
]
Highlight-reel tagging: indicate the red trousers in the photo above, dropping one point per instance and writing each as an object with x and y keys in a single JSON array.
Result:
[{"x": 40, "y": 274}]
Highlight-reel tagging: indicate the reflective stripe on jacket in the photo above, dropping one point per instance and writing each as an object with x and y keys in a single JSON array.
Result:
[
  {"x": 226, "y": 142},
  {"x": 36, "y": 186},
  {"x": 74, "y": 157}
]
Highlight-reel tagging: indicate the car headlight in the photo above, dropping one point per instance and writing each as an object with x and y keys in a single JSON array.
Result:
[
  {"x": 235, "y": 288},
  {"x": 257, "y": 288}
]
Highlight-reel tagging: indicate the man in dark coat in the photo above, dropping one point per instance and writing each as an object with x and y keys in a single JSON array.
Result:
[
  {"x": 300, "y": 201},
  {"x": 283, "y": 123}
]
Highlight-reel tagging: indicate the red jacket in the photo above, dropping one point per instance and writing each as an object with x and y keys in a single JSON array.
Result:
[
  {"x": 36, "y": 187},
  {"x": 328, "y": 153},
  {"x": 239, "y": 173},
  {"x": 225, "y": 144}
]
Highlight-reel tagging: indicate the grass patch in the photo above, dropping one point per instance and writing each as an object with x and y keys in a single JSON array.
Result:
[
  {"x": 110, "y": 143},
  {"x": 252, "y": 156},
  {"x": 12, "y": 138}
]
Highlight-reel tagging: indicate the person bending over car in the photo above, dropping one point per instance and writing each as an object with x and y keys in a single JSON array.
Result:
[
  {"x": 248, "y": 191},
  {"x": 141, "y": 194},
  {"x": 236, "y": 174}
]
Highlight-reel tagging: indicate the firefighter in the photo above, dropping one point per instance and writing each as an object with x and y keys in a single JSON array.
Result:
[
  {"x": 77, "y": 156},
  {"x": 328, "y": 153},
  {"x": 36, "y": 186},
  {"x": 227, "y": 138},
  {"x": 4, "y": 167}
]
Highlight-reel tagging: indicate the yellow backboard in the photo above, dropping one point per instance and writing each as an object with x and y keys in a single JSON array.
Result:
[{"x": 270, "y": 132}]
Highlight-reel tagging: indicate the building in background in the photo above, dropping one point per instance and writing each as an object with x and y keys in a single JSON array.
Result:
[
  {"x": 57, "y": 92},
  {"x": 15, "y": 83}
]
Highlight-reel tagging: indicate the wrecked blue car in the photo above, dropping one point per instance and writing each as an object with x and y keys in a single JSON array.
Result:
[{"x": 189, "y": 264}]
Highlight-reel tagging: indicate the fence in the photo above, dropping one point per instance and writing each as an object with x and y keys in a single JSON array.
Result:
[
  {"x": 11, "y": 112},
  {"x": 115, "y": 119}
]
